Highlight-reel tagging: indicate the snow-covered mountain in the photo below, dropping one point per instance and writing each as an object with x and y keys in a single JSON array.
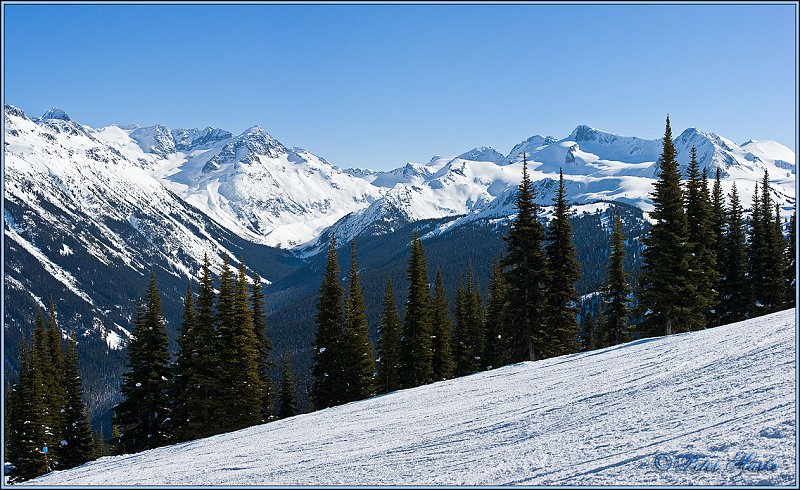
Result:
[{"x": 626, "y": 415}]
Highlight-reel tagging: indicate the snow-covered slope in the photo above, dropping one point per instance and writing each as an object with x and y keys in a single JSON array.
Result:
[{"x": 594, "y": 418}]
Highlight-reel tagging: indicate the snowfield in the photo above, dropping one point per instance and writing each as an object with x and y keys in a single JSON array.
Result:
[{"x": 596, "y": 418}]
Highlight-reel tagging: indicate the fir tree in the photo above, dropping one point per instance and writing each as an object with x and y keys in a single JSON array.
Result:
[
  {"x": 77, "y": 441},
  {"x": 790, "y": 274},
  {"x": 416, "y": 350},
  {"x": 718, "y": 223},
  {"x": 776, "y": 265},
  {"x": 287, "y": 404},
  {"x": 666, "y": 289},
  {"x": 264, "y": 345},
  {"x": 327, "y": 388},
  {"x": 184, "y": 382},
  {"x": 358, "y": 362},
  {"x": 42, "y": 366},
  {"x": 389, "y": 344},
  {"x": 614, "y": 328},
  {"x": 735, "y": 296},
  {"x": 442, "y": 328},
  {"x": 757, "y": 253},
  {"x": 142, "y": 414},
  {"x": 54, "y": 381},
  {"x": 461, "y": 341},
  {"x": 527, "y": 278},
  {"x": 473, "y": 316},
  {"x": 562, "y": 323},
  {"x": 494, "y": 345}
]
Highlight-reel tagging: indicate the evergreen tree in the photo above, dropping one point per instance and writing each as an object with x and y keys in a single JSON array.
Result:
[
  {"x": 389, "y": 344},
  {"x": 461, "y": 341},
  {"x": 776, "y": 264},
  {"x": 42, "y": 366},
  {"x": 416, "y": 350},
  {"x": 241, "y": 391},
  {"x": 666, "y": 289},
  {"x": 473, "y": 317},
  {"x": 790, "y": 275},
  {"x": 442, "y": 328},
  {"x": 562, "y": 327},
  {"x": 264, "y": 345},
  {"x": 54, "y": 386},
  {"x": 358, "y": 362},
  {"x": 77, "y": 441},
  {"x": 527, "y": 278},
  {"x": 718, "y": 222},
  {"x": 328, "y": 388},
  {"x": 142, "y": 414},
  {"x": 614, "y": 328},
  {"x": 184, "y": 382},
  {"x": 735, "y": 294},
  {"x": 27, "y": 424},
  {"x": 200, "y": 406},
  {"x": 757, "y": 253},
  {"x": 494, "y": 344},
  {"x": 287, "y": 405}
]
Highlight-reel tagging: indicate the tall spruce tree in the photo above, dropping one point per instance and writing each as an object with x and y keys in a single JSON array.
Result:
[
  {"x": 562, "y": 322},
  {"x": 42, "y": 366},
  {"x": 53, "y": 379},
  {"x": 442, "y": 328},
  {"x": 77, "y": 441},
  {"x": 666, "y": 289},
  {"x": 758, "y": 253},
  {"x": 327, "y": 377},
  {"x": 473, "y": 318},
  {"x": 264, "y": 346},
  {"x": 358, "y": 362},
  {"x": 735, "y": 292},
  {"x": 184, "y": 382},
  {"x": 416, "y": 349},
  {"x": 718, "y": 223},
  {"x": 494, "y": 344},
  {"x": 287, "y": 403},
  {"x": 389, "y": 343},
  {"x": 776, "y": 265},
  {"x": 790, "y": 274},
  {"x": 614, "y": 328},
  {"x": 144, "y": 410},
  {"x": 526, "y": 273},
  {"x": 461, "y": 342}
]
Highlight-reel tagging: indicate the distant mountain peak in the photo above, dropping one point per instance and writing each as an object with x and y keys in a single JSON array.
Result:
[
  {"x": 483, "y": 154},
  {"x": 156, "y": 139},
  {"x": 14, "y": 111},
  {"x": 55, "y": 113}
]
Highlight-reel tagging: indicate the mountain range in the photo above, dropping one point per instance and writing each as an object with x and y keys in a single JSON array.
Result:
[{"x": 90, "y": 211}]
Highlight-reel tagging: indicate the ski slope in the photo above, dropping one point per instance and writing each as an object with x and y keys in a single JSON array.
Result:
[{"x": 593, "y": 418}]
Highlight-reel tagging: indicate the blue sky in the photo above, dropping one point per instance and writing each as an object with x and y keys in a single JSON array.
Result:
[{"x": 379, "y": 85}]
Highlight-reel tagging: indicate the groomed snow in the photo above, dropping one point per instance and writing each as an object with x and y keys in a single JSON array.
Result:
[{"x": 594, "y": 418}]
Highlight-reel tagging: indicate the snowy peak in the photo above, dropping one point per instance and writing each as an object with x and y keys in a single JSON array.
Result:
[
  {"x": 55, "y": 113},
  {"x": 156, "y": 139},
  {"x": 194, "y": 139},
  {"x": 245, "y": 148},
  {"x": 483, "y": 154},
  {"x": 530, "y": 145}
]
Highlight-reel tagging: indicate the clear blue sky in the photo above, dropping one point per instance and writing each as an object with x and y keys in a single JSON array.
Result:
[{"x": 378, "y": 85}]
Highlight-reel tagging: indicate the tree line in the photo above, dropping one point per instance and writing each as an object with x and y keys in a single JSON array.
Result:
[{"x": 47, "y": 424}]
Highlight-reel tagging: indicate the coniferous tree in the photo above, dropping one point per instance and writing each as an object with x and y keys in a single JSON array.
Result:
[
  {"x": 264, "y": 346},
  {"x": 461, "y": 341},
  {"x": 42, "y": 366},
  {"x": 494, "y": 344},
  {"x": 527, "y": 278},
  {"x": 614, "y": 329},
  {"x": 562, "y": 322},
  {"x": 389, "y": 343},
  {"x": 442, "y": 328},
  {"x": 54, "y": 385},
  {"x": 358, "y": 362},
  {"x": 703, "y": 257},
  {"x": 77, "y": 441},
  {"x": 184, "y": 382},
  {"x": 287, "y": 404},
  {"x": 473, "y": 318},
  {"x": 776, "y": 262},
  {"x": 144, "y": 410},
  {"x": 735, "y": 294},
  {"x": 718, "y": 223},
  {"x": 327, "y": 388},
  {"x": 200, "y": 409},
  {"x": 416, "y": 350},
  {"x": 666, "y": 290},
  {"x": 757, "y": 253},
  {"x": 790, "y": 275}
]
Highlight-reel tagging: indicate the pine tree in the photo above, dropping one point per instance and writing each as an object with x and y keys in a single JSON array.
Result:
[
  {"x": 494, "y": 344},
  {"x": 184, "y": 382},
  {"x": 526, "y": 274},
  {"x": 776, "y": 265},
  {"x": 77, "y": 441},
  {"x": 389, "y": 344},
  {"x": 562, "y": 322},
  {"x": 718, "y": 222},
  {"x": 757, "y": 253},
  {"x": 614, "y": 328},
  {"x": 473, "y": 323},
  {"x": 200, "y": 406},
  {"x": 142, "y": 414},
  {"x": 26, "y": 425},
  {"x": 462, "y": 355},
  {"x": 240, "y": 391},
  {"x": 416, "y": 350},
  {"x": 327, "y": 389},
  {"x": 42, "y": 365},
  {"x": 287, "y": 404},
  {"x": 666, "y": 289},
  {"x": 264, "y": 345},
  {"x": 790, "y": 275},
  {"x": 358, "y": 362},
  {"x": 442, "y": 328},
  {"x": 735, "y": 293}
]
